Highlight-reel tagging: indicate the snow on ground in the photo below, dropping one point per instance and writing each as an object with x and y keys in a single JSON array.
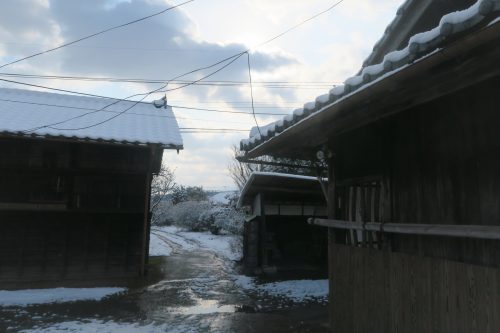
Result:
[
  {"x": 295, "y": 290},
  {"x": 222, "y": 245},
  {"x": 56, "y": 295},
  {"x": 99, "y": 326},
  {"x": 158, "y": 247}
]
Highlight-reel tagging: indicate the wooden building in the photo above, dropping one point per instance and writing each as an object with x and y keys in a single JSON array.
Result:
[
  {"x": 277, "y": 237},
  {"x": 75, "y": 177},
  {"x": 413, "y": 156}
]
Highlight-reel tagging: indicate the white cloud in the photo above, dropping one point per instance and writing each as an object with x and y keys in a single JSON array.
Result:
[{"x": 330, "y": 48}]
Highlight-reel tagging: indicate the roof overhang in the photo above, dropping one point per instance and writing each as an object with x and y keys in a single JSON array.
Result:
[
  {"x": 281, "y": 187},
  {"x": 469, "y": 59},
  {"x": 34, "y": 136}
]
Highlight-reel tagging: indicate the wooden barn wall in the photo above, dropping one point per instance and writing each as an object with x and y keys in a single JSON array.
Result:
[
  {"x": 441, "y": 163},
  {"x": 70, "y": 211},
  {"x": 381, "y": 291},
  {"x": 445, "y": 169}
]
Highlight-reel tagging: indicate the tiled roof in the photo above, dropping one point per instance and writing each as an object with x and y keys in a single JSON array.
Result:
[
  {"x": 35, "y": 113},
  {"x": 419, "y": 46}
]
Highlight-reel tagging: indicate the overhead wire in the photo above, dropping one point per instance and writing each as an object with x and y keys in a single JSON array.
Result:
[
  {"x": 232, "y": 58},
  {"x": 96, "y": 34},
  {"x": 130, "y": 113},
  {"x": 251, "y": 92},
  {"x": 223, "y": 83},
  {"x": 117, "y": 101}
]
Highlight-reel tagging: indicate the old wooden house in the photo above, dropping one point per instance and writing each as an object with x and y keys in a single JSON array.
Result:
[
  {"x": 277, "y": 237},
  {"x": 75, "y": 177},
  {"x": 413, "y": 156}
]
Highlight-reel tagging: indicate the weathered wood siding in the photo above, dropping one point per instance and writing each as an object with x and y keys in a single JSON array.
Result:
[
  {"x": 441, "y": 162},
  {"x": 71, "y": 211},
  {"x": 380, "y": 291}
]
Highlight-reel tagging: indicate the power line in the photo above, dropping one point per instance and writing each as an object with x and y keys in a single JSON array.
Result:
[
  {"x": 277, "y": 84},
  {"x": 129, "y": 113},
  {"x": 213, "y": 129},
  {"x": 251, "y": 92},
  {"x": 228, "y": 111},
  {"x": 299, "y": 24},
  {"x": 122, "y": 112},
  {"x": 96, "y": 34},
  {"x": 234, "y": 58}
]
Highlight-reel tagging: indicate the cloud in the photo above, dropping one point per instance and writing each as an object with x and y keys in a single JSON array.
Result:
[
  {"x": 331, "y": 48},
  {"x": 161, "y": 47}
]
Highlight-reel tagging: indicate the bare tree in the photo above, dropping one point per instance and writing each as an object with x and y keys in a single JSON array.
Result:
[
  {"x": 240, "y": 172},
  {"x": 162, "y": 185}
]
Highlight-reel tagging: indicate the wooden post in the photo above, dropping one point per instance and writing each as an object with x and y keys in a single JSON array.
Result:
[
  {"x": 145, "y": 226},
  {"x": 332, "y": 235},
  {"x": 263, "y": 232}
]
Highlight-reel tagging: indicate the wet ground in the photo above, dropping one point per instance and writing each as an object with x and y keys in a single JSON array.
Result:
[{"x": 195, "y": 292}]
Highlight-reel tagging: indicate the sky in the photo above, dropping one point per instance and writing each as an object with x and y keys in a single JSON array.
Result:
[{"x": 287, "y": 72}]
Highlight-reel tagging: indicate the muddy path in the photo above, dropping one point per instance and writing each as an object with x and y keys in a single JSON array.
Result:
[{"x": 196, "y": 292}]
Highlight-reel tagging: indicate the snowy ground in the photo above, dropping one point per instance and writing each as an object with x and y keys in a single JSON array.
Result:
[
  {"x": 55, "y": 295},
  {"x": 200, "y": 291},
  {"x": 295, "y": 290},
  {"x": 165, "y": 240}
]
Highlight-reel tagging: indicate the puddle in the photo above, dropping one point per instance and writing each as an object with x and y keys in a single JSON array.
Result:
[
  {"x": 204, "y": 307},
  {"x": 193, "y": 290}
]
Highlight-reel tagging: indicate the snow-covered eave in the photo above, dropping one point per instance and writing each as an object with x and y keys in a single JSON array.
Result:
[
  {"x": 262, "y": 174},
  {"x": 407, "y": 15},
  {"x": 420, "y": 47},
  {"x": 89, "y": 140}
]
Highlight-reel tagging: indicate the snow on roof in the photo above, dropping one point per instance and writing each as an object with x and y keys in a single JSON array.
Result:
[
  {"x": 419, "y": 46},
  {"x": 35, "y": 113},
  {"x": 257, "y": 174}
]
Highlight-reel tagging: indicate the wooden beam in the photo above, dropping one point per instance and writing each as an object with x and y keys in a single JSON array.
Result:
[
  {"x": 243, "y": 159},
  {"x": 285, "y": 190},
  {"x": 448, "y": 230}
]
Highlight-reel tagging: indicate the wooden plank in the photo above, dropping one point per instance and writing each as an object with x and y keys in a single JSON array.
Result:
[
  {"x": 379, "y": 291},
  {"x": 449, "y": 230}
]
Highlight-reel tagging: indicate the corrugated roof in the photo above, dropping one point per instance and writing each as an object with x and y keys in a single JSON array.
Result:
[
  {"x": 419, "y": 46},
  {"x": 35, "y": 113}
]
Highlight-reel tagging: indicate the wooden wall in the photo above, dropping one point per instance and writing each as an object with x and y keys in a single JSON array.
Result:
[
  {"x": 441, "y": 164},
  {"x": 382, "y": 291},
  {"x": 71, "y": 211}
]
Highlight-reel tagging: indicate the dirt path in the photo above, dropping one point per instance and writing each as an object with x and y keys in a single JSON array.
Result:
[{"x": 197, "y": 293}]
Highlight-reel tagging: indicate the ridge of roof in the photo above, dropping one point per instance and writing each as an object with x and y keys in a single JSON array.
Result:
[{"x": 419, "y": 46}]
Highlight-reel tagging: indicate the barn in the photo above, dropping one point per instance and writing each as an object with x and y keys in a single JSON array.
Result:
[
  {"x": 277, "y": 237},
  {"x": 75, "y": 177},
  {"x": 412, "y": 148}
]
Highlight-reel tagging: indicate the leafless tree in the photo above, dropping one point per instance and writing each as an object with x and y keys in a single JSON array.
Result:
[
  {"x": 240, "y": 172},
  {"x": 162, "y": 185}
]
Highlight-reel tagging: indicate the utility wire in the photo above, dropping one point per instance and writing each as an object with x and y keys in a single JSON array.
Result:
[
  {"x": 117, "y": 101},
  {"x": 96, "y": 34},
  {"x": 234, "y": 58},
  {"x": 213, "y": 129},
  {"x": 251, "y": 92},
  {"x": 228, "y": 111},
  {"x": 131, "y": 113},
  {"x": 298, "y": 25},
  {"x": 272, "y": 84}
]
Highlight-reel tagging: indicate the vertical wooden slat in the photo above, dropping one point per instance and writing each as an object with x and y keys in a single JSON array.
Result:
[
  {"x": 146, "y": 217},
  {"x": 362, "y": 211}
]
